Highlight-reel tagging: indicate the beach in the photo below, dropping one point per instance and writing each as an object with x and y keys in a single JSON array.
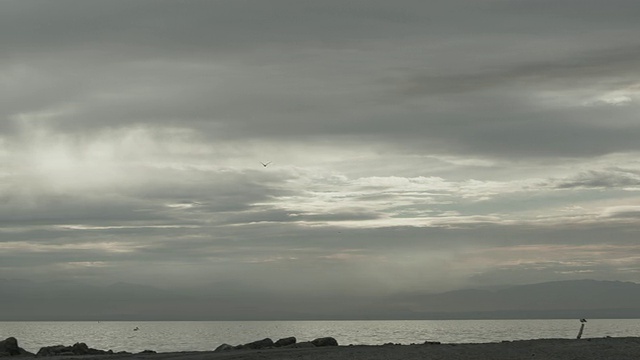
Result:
[{"x": 546, "y": 349}]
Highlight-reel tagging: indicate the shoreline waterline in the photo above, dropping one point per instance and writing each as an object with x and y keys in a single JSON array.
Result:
[{"x": 175, "y": 336}]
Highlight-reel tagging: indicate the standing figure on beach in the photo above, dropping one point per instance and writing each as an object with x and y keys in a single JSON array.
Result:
[{"x": 582, "y": 322}]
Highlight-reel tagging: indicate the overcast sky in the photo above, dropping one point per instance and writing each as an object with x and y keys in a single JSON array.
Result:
[{"x": 415, "y": 145}]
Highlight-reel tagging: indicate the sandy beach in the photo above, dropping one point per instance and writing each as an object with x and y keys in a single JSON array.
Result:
[{"x": 547, "y": 349}]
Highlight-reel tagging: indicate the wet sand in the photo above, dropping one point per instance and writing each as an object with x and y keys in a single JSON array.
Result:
[{"x": 544, "y": 349}]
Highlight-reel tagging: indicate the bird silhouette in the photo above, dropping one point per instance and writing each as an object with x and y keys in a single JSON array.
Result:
[
  {"x": 265, "y": 164},
  {"x": 583, "y": 320}
]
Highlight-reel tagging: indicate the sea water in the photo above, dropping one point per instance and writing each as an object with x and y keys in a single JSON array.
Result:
[{"x": 168, "y": 336}]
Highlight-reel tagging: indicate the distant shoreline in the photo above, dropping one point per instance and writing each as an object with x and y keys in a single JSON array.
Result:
[
  {"x": 436, "y": 317},
  {"x": 569, "y": 299}
]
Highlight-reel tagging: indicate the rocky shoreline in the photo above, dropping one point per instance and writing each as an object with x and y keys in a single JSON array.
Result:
[
  {"x": 9, "y": 347},
  {"x": 626, "y": 348}
]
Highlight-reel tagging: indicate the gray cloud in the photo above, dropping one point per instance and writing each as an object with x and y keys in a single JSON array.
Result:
[
  {"x": 610, "y": 178},
  {"x": 413, "y": 145},
  {"x": 573, "y": 71}
]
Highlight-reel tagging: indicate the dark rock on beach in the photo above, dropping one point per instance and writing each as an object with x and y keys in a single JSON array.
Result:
[
  {"x": 9, "y": 347},
  {"x": 301, "y": 345},
  {"x": 432, "y": 343},
  {"x": 75, "y": 349},
  {"x": 325, "y": 341},
  {"x": 285, "y": 341},
  {"x": 260, "y": 344},
  {"x": 288, "y": 342},
  {"x": 224, "y": 347}
]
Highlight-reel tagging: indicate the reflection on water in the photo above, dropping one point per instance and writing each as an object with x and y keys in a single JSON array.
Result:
[{"x": 165, "y": 336}]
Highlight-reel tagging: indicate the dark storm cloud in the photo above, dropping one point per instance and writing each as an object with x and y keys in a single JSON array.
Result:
[
  {"x": 495, "y": 110},
  {"x": 617, "y": 64},
  {"x": 196, "y": 26},
  {"x": 47, "y": 209},
  {"x": 609, "y": 178},
  {"x": 251, "y": 69}
]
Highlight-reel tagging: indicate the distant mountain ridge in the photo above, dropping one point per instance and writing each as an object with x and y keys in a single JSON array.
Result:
[
  {"x": 67, "y": 300},
  {"x": 557, "y": 299}
]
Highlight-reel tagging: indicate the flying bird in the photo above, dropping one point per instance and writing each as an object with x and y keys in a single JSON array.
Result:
[{"x": 265, "y": 164}]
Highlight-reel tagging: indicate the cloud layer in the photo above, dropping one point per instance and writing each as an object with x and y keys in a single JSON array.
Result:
[{"x": 414, "y": 145}]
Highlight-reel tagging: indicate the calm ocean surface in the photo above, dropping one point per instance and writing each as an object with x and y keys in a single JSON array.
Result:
[{"x": 165, "y": 336}]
